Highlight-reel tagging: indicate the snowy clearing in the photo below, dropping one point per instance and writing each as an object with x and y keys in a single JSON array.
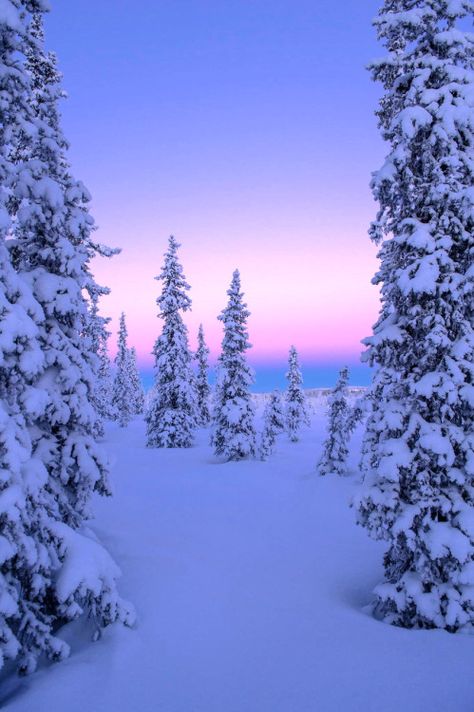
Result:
[{"x": 249, "y": 581}]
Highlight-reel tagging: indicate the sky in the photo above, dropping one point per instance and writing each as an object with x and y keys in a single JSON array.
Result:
[{"x": 246, "y": 128}]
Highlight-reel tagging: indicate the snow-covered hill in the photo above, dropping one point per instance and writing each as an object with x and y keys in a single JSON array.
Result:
[
  {"x": 250, "y": 581},
  {"x": 317, "y": 397}
]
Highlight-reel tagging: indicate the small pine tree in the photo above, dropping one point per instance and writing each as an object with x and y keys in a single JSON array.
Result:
[
  {"x": 172, "y": 413},
  {"x": 297, "y": 411},
  {"x": 95, "y": 329},
  {"x": 105, "y": 383},
  {"x": 233, "y": 431},
  {"x": 336, "y": 449},
  {"x": 138, "y": 396},
  {"x": 203, "y": 389},
  {"x": 274, "y": 423},
  {"x": 123, "y": 395}
]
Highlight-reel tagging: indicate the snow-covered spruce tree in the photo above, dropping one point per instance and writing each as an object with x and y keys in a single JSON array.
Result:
[
  {"x": 123, "y": 398},
  {"x": 233, "y": 431},
  {"x": 274, "y": 423},
  {"x": 27, "y": 552},
  {"x": 105, "y": 382},
  {"x": 419, "y": 444},
  {"x": 52, "y": 247},
  {"x": 335, "y": 449},
  {"x": 96, "y": 331},
  {"x": 297, "y": 412},
  {"x": 203, "y": 389},
  {"x": 138, "y": 395},
  {"x": 356, "y": 414},
  {"x": 172, "y": 413}
]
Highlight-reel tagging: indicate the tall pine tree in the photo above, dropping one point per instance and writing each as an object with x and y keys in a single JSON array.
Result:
[
  {"x": 203, "y": 389},
  {"x": 419, "y": 443},
  {"x": 57, "y": 464},
  {"x": 27, "y": 552},
  {"x": 233, "y": 430},
  {"x": 297, "y": 411},
  {"x": 172, "y": 414}
]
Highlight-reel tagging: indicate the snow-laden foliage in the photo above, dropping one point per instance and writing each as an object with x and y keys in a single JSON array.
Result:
[
  {"x": 356, "y": 414},
  {"x": 171, "y": 415},
  {"x": 138, "y": 396},
  {"x": 49, "y": 461},
  {"x": 335, "y": 448},
  {"x": 274, "y": 423},
  {"x": 53, "y": 248},
  {"x": 96, "y": 331},
  {"x": 123, "y": 400},
  {"x": 104, "y": 386},
  {"x": 419, "y": 445},
  {"x": 233, "y": 430},
  {"x": 297, "y": 412},
  {"x": 27, "y": 556},
  {"x": 203, "y": 389}
]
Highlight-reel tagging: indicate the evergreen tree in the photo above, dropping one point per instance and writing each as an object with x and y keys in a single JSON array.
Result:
[
  {"x": 419, "y": 443},
  {"x": 51, "y": 247},
  {"x": 297, "y": 412},
  {"x": 356, "y": 414},
  {"x": 171, "y": 415},
  {"x": 95, "y": 330},
  {"x": 105, "y": 382},
  {"x": 233, "y": 431},
  {"x": 123, "y": 398},
  {"x": 138, "y": 396},
  {"x": 274, "y": 423},
  {"x": 202, "y": 383},
  {"x": 27, "y": 556},
  {"x": 335, "y": 449}
]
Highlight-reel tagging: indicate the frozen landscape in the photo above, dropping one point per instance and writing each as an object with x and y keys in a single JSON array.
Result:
[
  {"x": 249, "y": 580},
  {"x": 195, "y": 546}
]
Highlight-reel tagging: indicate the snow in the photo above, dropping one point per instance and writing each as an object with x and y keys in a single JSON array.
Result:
[
  {"x": 9, "y": 15},
  {"x": 250, "y": 580},
  {"x": 86, "y": 564}
]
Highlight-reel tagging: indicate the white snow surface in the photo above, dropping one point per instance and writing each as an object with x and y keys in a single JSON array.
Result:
[{"x": 250, "y": 580}]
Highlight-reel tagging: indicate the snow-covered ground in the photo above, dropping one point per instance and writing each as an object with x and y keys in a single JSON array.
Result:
[{"x": 249, "y": 581}]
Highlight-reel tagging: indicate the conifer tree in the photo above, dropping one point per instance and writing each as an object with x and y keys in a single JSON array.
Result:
[
  {"x": 274, "y": 423},
  {"x": 138, "y": 396},
  {"x": 297, "y": 412},
  {"x": 419, "y": 442},
  {"x": 51, "y": 247},
  {"x": 25, "y": 577},
  {"x": 95, "y": 329},
  {"x": 105, "y": 382},
  {"x": 356, "y": 414},
  {"x": 335, "y": 449},
  {"x": 233, "y": 430},
  {"x": 203, "y": 389},
  {"x": 123, "y": 398},
  {"x": 172, "y": 413}
]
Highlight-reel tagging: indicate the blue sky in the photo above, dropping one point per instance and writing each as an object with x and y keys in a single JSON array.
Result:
[{"x": 248, "y": 130}]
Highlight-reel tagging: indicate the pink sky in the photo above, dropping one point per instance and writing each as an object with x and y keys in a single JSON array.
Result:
[
  {"x": 249, "y": 133},
  {"x": 316, "y": 295}
]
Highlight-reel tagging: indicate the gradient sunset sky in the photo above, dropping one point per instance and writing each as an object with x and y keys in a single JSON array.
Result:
[{"x": 246, "y": 129}]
